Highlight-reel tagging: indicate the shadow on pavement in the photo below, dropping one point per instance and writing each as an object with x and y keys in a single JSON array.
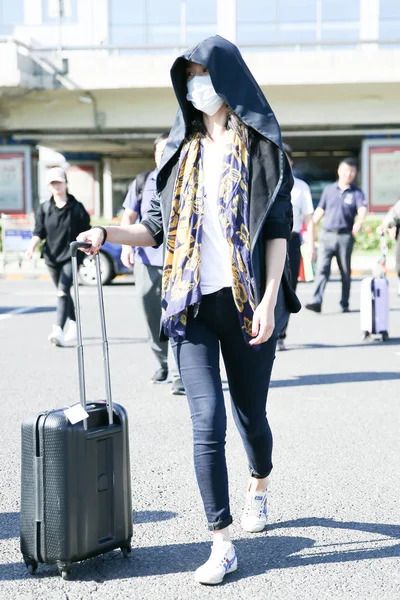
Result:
[
  {"x": 392, "y": 530},
  {"x": 97, "y": 341},
  {"x": 332, "y": 313},
  {"x": 372, "y": 341},
  {"x": 26, "y": 310},
  {"x": 9, "y": 525},
  {"x": 257, "y": 555},
  {"x": 152, "y": 516},
  {"x": 328, "y": 378}
]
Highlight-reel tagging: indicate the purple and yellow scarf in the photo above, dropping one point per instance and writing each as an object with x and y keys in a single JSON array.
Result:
[{"x": 182, "y": 268}]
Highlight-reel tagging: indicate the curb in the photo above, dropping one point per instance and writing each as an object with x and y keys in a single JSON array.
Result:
[{"x": 368, "y": 273}]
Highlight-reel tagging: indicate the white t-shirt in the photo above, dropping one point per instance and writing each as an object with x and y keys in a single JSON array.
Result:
[
  {"x": 216, "y": 269},
  {"x": 301, "y": 202}
]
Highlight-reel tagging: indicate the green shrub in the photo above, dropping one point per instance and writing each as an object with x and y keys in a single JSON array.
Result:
[{"x": 368, "y": 239}]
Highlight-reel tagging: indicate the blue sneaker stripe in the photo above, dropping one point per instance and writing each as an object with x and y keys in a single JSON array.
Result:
[{"x": 228, "y": 563}]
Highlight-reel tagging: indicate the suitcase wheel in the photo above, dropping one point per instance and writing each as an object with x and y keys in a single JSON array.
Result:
[
  {"x": 385, "y": 336},
  {"x": 64, "y": 569},
  {"x": 65, "y": 573},
  {"x": 31, "y": 565},
  {"x": 126, "y": 550}
]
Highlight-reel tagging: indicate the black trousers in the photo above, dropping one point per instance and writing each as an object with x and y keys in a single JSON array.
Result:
[
  {"x": 217, "y": 327},
  {"x": 149, "y": 283},
  {"x": 61, "y": 275},
  {"x": 339, "y": 245},
  {"x": 294, "y": 261}
]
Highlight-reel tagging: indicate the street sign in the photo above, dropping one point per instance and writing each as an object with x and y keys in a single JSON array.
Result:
[{"x": 16, "y": 233}]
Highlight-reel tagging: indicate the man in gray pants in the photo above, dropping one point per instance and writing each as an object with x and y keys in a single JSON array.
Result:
[
  {"x": 149, "y": 264},
  {"x": 341, "y": 202}
]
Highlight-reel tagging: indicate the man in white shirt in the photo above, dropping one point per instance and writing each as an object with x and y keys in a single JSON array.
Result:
[{"x": 303, "y": 210}]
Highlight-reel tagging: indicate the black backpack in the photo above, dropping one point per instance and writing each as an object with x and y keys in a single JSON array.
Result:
[{"x": 141, "y": 179}]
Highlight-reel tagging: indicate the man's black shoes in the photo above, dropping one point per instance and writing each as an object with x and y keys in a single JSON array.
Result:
[
  {"x": 160, "y": 376},
  {"x": 314, "y": 307}
]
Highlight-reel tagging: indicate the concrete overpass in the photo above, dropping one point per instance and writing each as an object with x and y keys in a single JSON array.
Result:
[{"x": 105, "y": 104}]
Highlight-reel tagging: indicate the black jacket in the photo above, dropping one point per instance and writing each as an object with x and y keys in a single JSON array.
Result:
[
  {"x": 59, "y": 227},
  {"x": 271, "y": 178}
]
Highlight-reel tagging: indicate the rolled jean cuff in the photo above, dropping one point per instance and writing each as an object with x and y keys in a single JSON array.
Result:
[
  {"x": 256, "y": 475},
  {"x": 220, "y": 524}
]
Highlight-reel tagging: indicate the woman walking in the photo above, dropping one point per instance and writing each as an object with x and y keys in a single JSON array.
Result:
[
  {"x": 58, "y": 221},
  {"x": 223, "y": 208}
]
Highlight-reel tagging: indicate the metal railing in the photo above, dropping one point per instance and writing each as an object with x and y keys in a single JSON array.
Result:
[{"x": 263, "y": 47}]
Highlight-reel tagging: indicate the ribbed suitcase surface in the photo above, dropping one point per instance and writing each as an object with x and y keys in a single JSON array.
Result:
[
  {"x": 76, "y": 493},
  {"x": 75, "y": 478}
]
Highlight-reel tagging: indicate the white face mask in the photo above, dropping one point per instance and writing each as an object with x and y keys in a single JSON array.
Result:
[{"x": 202, "y": 95}]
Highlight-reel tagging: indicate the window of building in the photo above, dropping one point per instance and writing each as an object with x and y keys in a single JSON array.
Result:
[
  {"x": 51, "y": 11},
  {"x": 201, "y": 13},
  {"x": 157, "y": 22},
  {"x": 340, "y": 10},
  {"x": 291, "y": 21},
  {"x": 340, "y": 20},
  {"x": 201, "y": 20},
  {"x": 11, "y": 14},
  {"x": 127, "y": 24},
  {"x": 389, "y": 20},
  {"x": 276, "y": 21},
  {"x": 145, "y": 22},
  {"x": 125, "y": 12}
]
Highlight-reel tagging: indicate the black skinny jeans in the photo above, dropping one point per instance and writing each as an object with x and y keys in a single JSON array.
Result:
[
  {"x": 249, "y": 371},
  {"x": 61, "y": 275}
]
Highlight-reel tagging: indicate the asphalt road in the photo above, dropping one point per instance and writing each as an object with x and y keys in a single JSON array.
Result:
[{"x": 334, "y": 511}]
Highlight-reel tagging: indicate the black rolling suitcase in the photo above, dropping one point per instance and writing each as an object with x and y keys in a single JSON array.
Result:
[{"x": 76, "y": 484}]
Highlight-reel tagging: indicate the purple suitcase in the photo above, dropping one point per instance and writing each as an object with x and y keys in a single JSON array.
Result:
[{"x": 374, "y": 307}]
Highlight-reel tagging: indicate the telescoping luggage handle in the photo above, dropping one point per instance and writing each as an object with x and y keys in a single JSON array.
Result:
[{"x": 81, "y": 367}]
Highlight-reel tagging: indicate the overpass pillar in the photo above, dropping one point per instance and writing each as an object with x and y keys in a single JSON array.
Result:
[{"x": 107, "y": 189}]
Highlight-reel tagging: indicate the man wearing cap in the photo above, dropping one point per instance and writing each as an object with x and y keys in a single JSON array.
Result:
[
  {"x": 341, "y": 202},
  {"x": 58, "y": 221}
]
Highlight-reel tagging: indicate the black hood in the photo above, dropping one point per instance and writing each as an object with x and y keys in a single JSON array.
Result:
[{"x": 232, "y": 81}]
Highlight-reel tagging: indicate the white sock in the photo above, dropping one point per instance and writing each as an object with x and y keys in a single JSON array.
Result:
[{"x": 221, "y": 536}]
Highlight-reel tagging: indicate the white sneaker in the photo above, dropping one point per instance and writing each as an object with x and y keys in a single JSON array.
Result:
[
  {"x": 57, "y": 336},
  {"x": 71, "y": 335},
  {"x": 223, "y": 560},
  {"x": 254, "y": 517}
]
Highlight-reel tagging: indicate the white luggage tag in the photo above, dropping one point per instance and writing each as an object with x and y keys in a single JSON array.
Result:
[{"x": 76, "y": 413}]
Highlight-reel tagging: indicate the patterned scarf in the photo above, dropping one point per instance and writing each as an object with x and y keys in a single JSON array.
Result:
[{"x": 181, "y": 275}]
